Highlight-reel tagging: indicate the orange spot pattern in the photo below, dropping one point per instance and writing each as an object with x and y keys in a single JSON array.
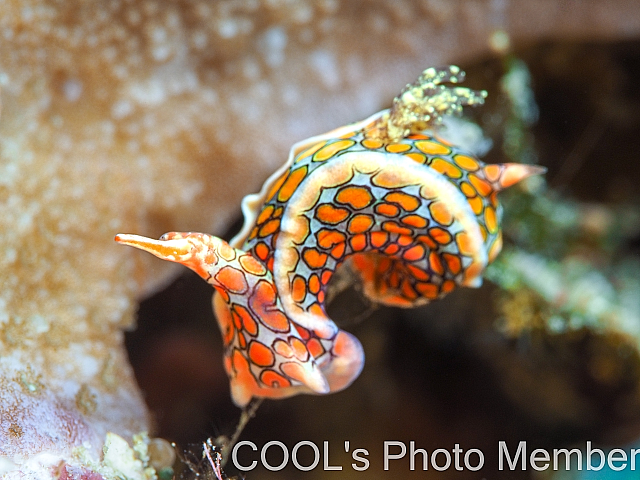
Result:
[
  {"x": 269, "y": 228},
  {"x": 327, "y": 238},
  {"x": 468, "y": 163},
  {"x": 372, "y": 144},
  {"x": 327, "y": 213},
  {"x": 263, "y": 304},
  {"x": 407, "y": 241},
  {"x": 481, "y": 185},
  {"x": 398, "y": 148},
  {"x": 446, "y": 168},
  {"x": 310, "y": 151},
  {"x": 314, "y": 284},
  {"x": 315, "y": 347},
  {"x": 492, "y": 172},
  {"x": 314, "y": 258},
  {"x": 291, "y": 183},
  {"x": 387, "y": 209},
  {"x": 243, "y": 319},
  {"x": 298, "y": 289},
  {"x": 283, "y": 348},
  {"x": 415, "y": 221},
  {"x": 331, "y": 150},
  {"x": 431, "y": 147},
  {"x": 405, "y": 201},
  {"x": 356, "y": 197},
  {"x": 261, "y": 355},
  {"x": 250, "y": 265},
  {"x": 360, "y": 223},
  {"x": 358, "y": 242},
  {"x": 417, "y": 157},
  {"x": 273, "y": 379},
  {"x": 414, "y": 253},
  {"x": 231, "y": 279},
  {"x": 440, "y": 212},
  {"x": 294, "y": 371},
  {"x": 440, "y": 235}
]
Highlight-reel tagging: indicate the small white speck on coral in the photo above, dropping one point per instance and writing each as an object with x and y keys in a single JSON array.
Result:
[
  {"x": 121, "y": 109},
  {"x": 72, "y": 89},
  {"x": 325, "y": 65},
  {"x": 272, "y": 44},
  {"x": 227, "y": 28}
]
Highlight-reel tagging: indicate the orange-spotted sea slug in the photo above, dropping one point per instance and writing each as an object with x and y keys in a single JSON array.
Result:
[{"x": 415, "y": 216}]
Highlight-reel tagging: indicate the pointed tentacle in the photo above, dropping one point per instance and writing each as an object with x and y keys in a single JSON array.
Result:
[{"x": 265, "y": 355}]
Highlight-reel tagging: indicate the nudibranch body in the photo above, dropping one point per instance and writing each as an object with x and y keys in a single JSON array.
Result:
[{"x": 415, "y": 216}]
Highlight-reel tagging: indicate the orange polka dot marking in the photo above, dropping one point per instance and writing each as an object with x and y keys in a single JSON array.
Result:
[
  {"x": 358, "y": 242},
  {"x": 407, "y": 202},
  {"x": 432, "y": 148},
  {"x": 265, "y": 214},
  {"x": 492, "y": 172},
  {"x": 268, "y": 228},
  {"x": 452, "y": 262},
  {"x": 291, "y": 184},
  {"x": 262, "y": 250},
  {"x": 393, "y": 227},
  {"x": 414, "y": 253},
  {"x": 378, "y": 239},
  {"x": 327, "y": 238},
  {"x": 355, "y": 196},
  {"x": 299, "y": 349},
  {"x": 282, "y": 348},
  {"x": 463, "y": 240},
  {"x": 387, "y": 210},
  {"x": 298, "y": 289},
  {"x": 360, "y": 223},
  {"x": 416, "y": 157},
  {"x": 315, "y": 347},
  {"x": 371, "y": 143},
  {"x": 314, "y": 284},
  {"x": 260, "y": 354},
  {"x": 440, "y": 212},
  {"x": 232, "y": 279},
  {"x": 476, "y": 204},
  {"x": 435, "y": 263},
  {"x": 415, "y": 221},
  {"x": 481, "y": 186},
  {"x": 310, "y": 151},
  {"x": 490, "y": 219},
  {"x": 468, "y": 163},
  {"x": 251, "y": 265},
  {"x": 246, "y": 320},
  {"x": 428, "y": 290},
  {"x": 331, "y": 215},
  {"x": 446, "y": 168},
  {"x": 440, "y": 235},
  {"x": 468, "y": 190},
  {"x": 397, "y": 148},
  {"x": 314, "y": 258},
  {"x": 328, "y": 151},
  {"x": 274, "y": 380}
]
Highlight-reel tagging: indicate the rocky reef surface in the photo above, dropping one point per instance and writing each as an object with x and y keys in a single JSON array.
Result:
[{"x": 152, "y": 116}]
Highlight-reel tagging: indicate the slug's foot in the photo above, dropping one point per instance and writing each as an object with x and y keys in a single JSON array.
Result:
[{"x": 346, "y": 362}]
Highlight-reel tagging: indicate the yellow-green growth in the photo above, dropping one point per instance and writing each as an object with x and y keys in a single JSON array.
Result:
[{"x": 424, "y": 103}]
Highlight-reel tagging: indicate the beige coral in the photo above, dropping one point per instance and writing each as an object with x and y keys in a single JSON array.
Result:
[{"x": 152, "y": 116}]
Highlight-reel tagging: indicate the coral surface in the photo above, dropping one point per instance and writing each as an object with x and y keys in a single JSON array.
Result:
[{"x": 155, "y": 116}]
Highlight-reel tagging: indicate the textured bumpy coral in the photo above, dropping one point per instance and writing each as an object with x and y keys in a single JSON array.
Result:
[{"x": 415, "y": 216}]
